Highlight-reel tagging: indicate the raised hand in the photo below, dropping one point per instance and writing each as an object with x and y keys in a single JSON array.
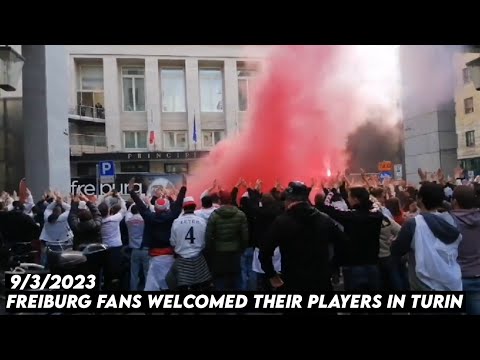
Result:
[
  {"x": 92, "y": 199},
  {"x": 459, "y": 172},
  {"x": 244, "y": 183},
  {"x": 131, "y": 184},
  {"x": 338, "y": 175},
  {"x": 422, "y": 174},
  {"x": 440, "y": 176},
  {"x": 258, "y": 185}
]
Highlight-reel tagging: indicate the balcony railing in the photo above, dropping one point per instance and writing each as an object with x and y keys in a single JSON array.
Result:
[
  {"x": 87, "y": 144},
  {"x": 88, "y": 112}
]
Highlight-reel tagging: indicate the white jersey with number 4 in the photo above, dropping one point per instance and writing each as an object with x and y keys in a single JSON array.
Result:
[{"x": 188, "y": 235}]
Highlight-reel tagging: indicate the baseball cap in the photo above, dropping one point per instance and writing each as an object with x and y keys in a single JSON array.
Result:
[
  {"x": 162, "y": 205},
  {"x": 297, "y": 189},
  {"x": 189, "y": 200}
]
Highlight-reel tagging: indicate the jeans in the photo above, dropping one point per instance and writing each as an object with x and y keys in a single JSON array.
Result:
[
  {"x": 364, "y": 277},
  {"x": 472, "y": 298},
  {"x": 249, "y": 281},
  {"x": 157, "y": 272},
  {"x": 393, "y": 274},
  {"x": 227, "y": 282},
  {"x": 139, "y": 261}
]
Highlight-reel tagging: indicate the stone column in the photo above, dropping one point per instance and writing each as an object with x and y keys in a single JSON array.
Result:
[{"x": 45, "y": 116}]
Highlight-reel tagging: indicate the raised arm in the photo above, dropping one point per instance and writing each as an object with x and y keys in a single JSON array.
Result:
[
  {"x": 97, "y": 217},
  {"x": 234, "y": 194},
  {"x": 123, "y": 205},
  {"x": 209, "y": 190},
  {"x": 176, "y": 207},
  {"x": 49, "y": 210},
  {"x": 142, "y": 208},
  {"x": 73, "y": 215},
  {"x": 29, "y": 204}
]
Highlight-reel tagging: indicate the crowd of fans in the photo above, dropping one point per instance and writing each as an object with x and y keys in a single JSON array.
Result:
[{"x": 370, "y": 234}]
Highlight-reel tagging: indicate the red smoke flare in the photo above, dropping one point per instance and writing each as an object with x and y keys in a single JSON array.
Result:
[{"x": 295, "y": 129}]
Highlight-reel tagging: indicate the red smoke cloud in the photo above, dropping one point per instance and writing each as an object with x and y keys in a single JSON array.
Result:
[{"x": 304, "y": 108}]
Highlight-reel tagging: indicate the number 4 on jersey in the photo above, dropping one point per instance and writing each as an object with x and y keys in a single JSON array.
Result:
[{"x": 190, "y": 236}]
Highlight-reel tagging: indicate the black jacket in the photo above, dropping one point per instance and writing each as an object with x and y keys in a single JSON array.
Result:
[
  {"x": 263, "y": 219},
  {"x": 17, "y": 227},
  {"x": 158, "y": 226},
  {"x": 362, "y": 228},
  {"x": 304, "y": 236},
  {"x": 87, "y": 232}
]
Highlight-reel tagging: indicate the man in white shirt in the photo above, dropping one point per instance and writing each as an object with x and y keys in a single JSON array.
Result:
[
  {"x": 190, "y": 270},
  {"x": 207, "y": 208},
  {"x": 213, "y": 195},
  {"x": 139, "y": 258},
  {"x": 112, "y": 238}
]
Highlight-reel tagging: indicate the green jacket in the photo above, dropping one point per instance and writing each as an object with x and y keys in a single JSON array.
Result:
[
  {"x": 227, "y": 230},
  {"x": 226, "y": 238}
]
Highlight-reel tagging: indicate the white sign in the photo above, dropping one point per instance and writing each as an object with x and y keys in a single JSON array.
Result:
[
  {"x": 398, "y": 171},
  {"x": 105, "y": 188}
]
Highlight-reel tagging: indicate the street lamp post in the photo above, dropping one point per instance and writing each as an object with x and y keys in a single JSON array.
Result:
[{"x": 11, "y": 64}]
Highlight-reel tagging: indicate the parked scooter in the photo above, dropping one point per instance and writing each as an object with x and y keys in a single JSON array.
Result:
[{"x": 88, "y": 259}]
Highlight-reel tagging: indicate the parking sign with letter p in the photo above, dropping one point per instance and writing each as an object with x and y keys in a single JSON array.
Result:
[{"x": 107, "y": 171}]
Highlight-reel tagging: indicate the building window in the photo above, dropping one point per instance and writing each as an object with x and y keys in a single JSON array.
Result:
[
  {"x": 468, "y": 103},
  {"x": 175, "y": 139},
  {"x": 133, "y": 79},
  {"x": 245, "y": 78},
  {"x": 470, "y": 136},
  {"x": 173, "y": 90},
  {"x": 135, "y": 167},
  {"x": 211, "y": 90},
  {"x": 90, "y": 98},
  {"x": 211, "y": 138},
  {"x": 135, "y": 139},
  {"x": 86, "y": 169},
  {"x": 467, "y": 77},
  {"x": 181, "y": 168}
]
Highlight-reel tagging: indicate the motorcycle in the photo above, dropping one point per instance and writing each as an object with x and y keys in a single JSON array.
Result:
[{"x": 19, "y": 259}]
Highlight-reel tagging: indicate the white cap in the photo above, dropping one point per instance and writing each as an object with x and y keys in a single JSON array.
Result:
[{"x": 189, "y": 200}]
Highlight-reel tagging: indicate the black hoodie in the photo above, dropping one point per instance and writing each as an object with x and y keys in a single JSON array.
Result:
[
  {"x": 363, "y": 227},
  {"x": 303, "y": 235}
]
